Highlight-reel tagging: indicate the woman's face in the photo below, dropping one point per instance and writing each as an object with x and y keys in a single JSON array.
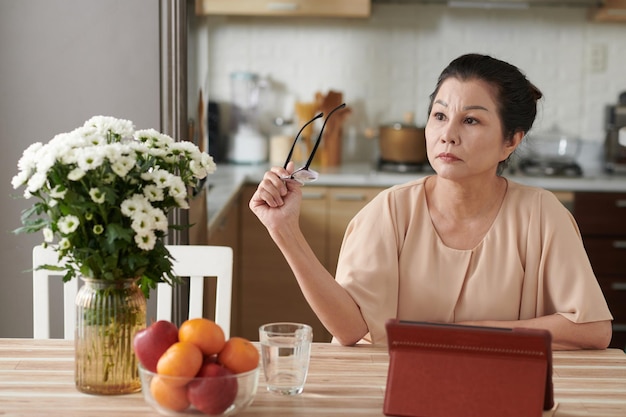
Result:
[{"x": 464, "y": 133}]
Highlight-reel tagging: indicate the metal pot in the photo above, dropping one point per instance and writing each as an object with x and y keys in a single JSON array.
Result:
[
  {"x": 553, "y": 145},
  {"x": 402, "y": 142}
]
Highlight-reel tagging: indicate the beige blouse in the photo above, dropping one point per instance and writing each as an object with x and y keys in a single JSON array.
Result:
[{"x": 531, "y": 263}]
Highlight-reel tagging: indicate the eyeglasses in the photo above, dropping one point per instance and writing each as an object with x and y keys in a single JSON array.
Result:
[{"x": 304, "y": 174}]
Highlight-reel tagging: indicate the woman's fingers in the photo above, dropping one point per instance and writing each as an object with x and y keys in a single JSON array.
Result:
[{"x": 272, "y": 187}]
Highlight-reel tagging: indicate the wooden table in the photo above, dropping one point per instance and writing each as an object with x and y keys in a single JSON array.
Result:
[{"x": 37, "y": 379}]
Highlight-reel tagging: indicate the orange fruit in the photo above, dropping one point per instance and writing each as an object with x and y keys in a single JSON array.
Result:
[
  {"x": 182, "y": 359},
  {"x": 204, "y": 333},
  {"x": 239, "y": 355},
  {"x": 171, "y": 397}
]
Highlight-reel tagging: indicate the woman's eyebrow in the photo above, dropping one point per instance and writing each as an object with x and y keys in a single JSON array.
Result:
[
  {"x": 473, "y": 107},
  {"x": 476, "y": 107}
]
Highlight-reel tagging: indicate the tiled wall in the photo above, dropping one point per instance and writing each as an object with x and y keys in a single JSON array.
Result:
[{"x": 388, "y": 64}]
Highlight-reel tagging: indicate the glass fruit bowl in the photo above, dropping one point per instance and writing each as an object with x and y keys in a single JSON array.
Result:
[{"x": 220, "y": 395}]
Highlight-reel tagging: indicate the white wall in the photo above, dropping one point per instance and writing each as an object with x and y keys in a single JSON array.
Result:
[{"x": 388, "y": 64}]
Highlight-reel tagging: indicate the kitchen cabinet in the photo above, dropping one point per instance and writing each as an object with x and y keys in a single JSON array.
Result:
[
  {"x": 609, "y": 11},
  {"x": 198, "y": 218},
  {"x": 600, "y": 217},
  {"x": 225, "y": 232},
  {"x": 285, "y": 8},
  {"x": 267, "y": 290}
]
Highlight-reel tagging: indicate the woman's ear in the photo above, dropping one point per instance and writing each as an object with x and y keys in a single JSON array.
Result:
[{"x": 515, "y": 141}]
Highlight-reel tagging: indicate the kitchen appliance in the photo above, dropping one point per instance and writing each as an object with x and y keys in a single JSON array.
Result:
[
  {"x": 217, "y": 143},
  {"x": 615, "y": 141},
  {"x": 402, "y": 146},
  {"x": 247, "y": 144},
  {"x": 551, "y": 153}
]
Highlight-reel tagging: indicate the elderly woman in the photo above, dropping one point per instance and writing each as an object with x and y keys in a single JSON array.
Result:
[{"x": 465, "y": 245}]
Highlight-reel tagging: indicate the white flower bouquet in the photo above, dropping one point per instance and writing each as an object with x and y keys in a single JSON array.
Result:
[{"x": 103, "y": 194}]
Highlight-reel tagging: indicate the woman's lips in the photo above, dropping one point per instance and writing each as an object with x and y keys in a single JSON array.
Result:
[{"x": 448, "y": 157}]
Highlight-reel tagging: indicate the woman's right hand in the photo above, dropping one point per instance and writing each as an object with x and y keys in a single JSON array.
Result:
[{"x": 276, "y": 201}]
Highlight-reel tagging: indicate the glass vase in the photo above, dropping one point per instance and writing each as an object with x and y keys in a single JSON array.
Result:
[{"x": 109, "y": 313}]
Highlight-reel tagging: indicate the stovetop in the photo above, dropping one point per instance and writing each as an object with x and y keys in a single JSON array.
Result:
[
  {"x": 550, "y": 167},
  {"x": 403, "y": 167}
]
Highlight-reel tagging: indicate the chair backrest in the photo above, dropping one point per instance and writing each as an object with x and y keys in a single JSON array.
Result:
[
  {"x": 41, "y": 297},
  {"x": 198, "y": 262},
  {"x": 194, "y": 261}
]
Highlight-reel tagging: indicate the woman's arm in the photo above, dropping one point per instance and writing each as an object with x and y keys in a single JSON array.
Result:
[
  {"x": 566, "y": 335},
  {"x": 277, "y": 205}
]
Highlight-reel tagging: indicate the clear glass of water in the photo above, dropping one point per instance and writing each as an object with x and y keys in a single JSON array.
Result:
[{"x": 285, "y": 353}]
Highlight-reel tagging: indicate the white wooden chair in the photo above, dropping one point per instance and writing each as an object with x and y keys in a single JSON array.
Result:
[{"x": 193, "y": 261}]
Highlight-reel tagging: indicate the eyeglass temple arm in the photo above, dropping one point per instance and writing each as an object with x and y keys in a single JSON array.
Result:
[
  {"x": 297, "y": 136},
  {"x": 319, "y": 138}
]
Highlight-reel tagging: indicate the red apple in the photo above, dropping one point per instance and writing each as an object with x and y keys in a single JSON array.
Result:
[
  {"x": 150, "y": 343},
  {"x": 215, "y": 392}
]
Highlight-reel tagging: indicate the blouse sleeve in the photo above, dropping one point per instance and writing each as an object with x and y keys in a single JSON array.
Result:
[
  {"x": 568, "y": 285},
  {"x": 368, "y": 264}
]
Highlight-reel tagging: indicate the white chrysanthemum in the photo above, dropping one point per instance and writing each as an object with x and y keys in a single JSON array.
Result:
[
  {"x": 68, "y": 224},
  {"x": 153, "y": 193},
  {"x": 97, "y": 196},
  {"x": 71, "y": 140},
  {"x": 37, "y": 181},
  {"x": 147, "y": 176},
  {"x": 197, "y": 169},
  {"x": 153, "y": 138},
  {"x": 90, "y": 158},
  {"x": 104, "y": 124},
  {"x": 76, "y": 174},
  {"x": 70, "y": 157},
  {"x": 181, "y": 202},
  {"x": 109, "y": 178},
  {"x": 145, "y": 241},
  {"x": 207, "y": 162},
  {"x": 123, "y": 165},
  {"x": 20, "y": 179},
  {"x": 161, "y": 154},
  {"x": 46, "y": 161},
  {"x": 48, "y": 234},
  {"x": 161, "y": 178},
  {"x": 135, "y": 205},
  {"x": 115, "y": 150},
  {"x": 176, "y": 187},
  {"x": 159, "y": 219},
  {"x": 64, "y": 244},
  {"x": 28, "y": 161},
  {"x": 137, "y": 147},
  {"x": 142, "y": 164},
  {"x": 118, "y": 151},
  {"x": 142, "y": 223},
  {"x": 185, "y": 147}
]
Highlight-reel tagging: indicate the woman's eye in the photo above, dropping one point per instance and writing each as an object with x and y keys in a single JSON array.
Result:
[
  {"x": 439, "y": 116},
  {"x": 470, "y": 121}
]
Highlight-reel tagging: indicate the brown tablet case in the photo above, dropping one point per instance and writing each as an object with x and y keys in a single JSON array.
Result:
[{"x": 451, "y": 370}]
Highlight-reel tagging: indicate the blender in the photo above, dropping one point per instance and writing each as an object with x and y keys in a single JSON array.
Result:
[{"x": 247, "y": 144}]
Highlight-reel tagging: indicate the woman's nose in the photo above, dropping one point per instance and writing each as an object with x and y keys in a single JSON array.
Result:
[{"x": 449, "y": 134}]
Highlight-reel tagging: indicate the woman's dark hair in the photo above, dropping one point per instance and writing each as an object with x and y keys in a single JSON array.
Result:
[{"x": 516, "y": 97}]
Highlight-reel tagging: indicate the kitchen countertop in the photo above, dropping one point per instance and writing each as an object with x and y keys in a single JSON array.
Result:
[{"x": 224, "y": 184}]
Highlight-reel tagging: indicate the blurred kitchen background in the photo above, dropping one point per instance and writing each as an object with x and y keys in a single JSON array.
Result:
[
  {"x": 63, "y": 61},
  {"x": 387, "y": 64}
]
